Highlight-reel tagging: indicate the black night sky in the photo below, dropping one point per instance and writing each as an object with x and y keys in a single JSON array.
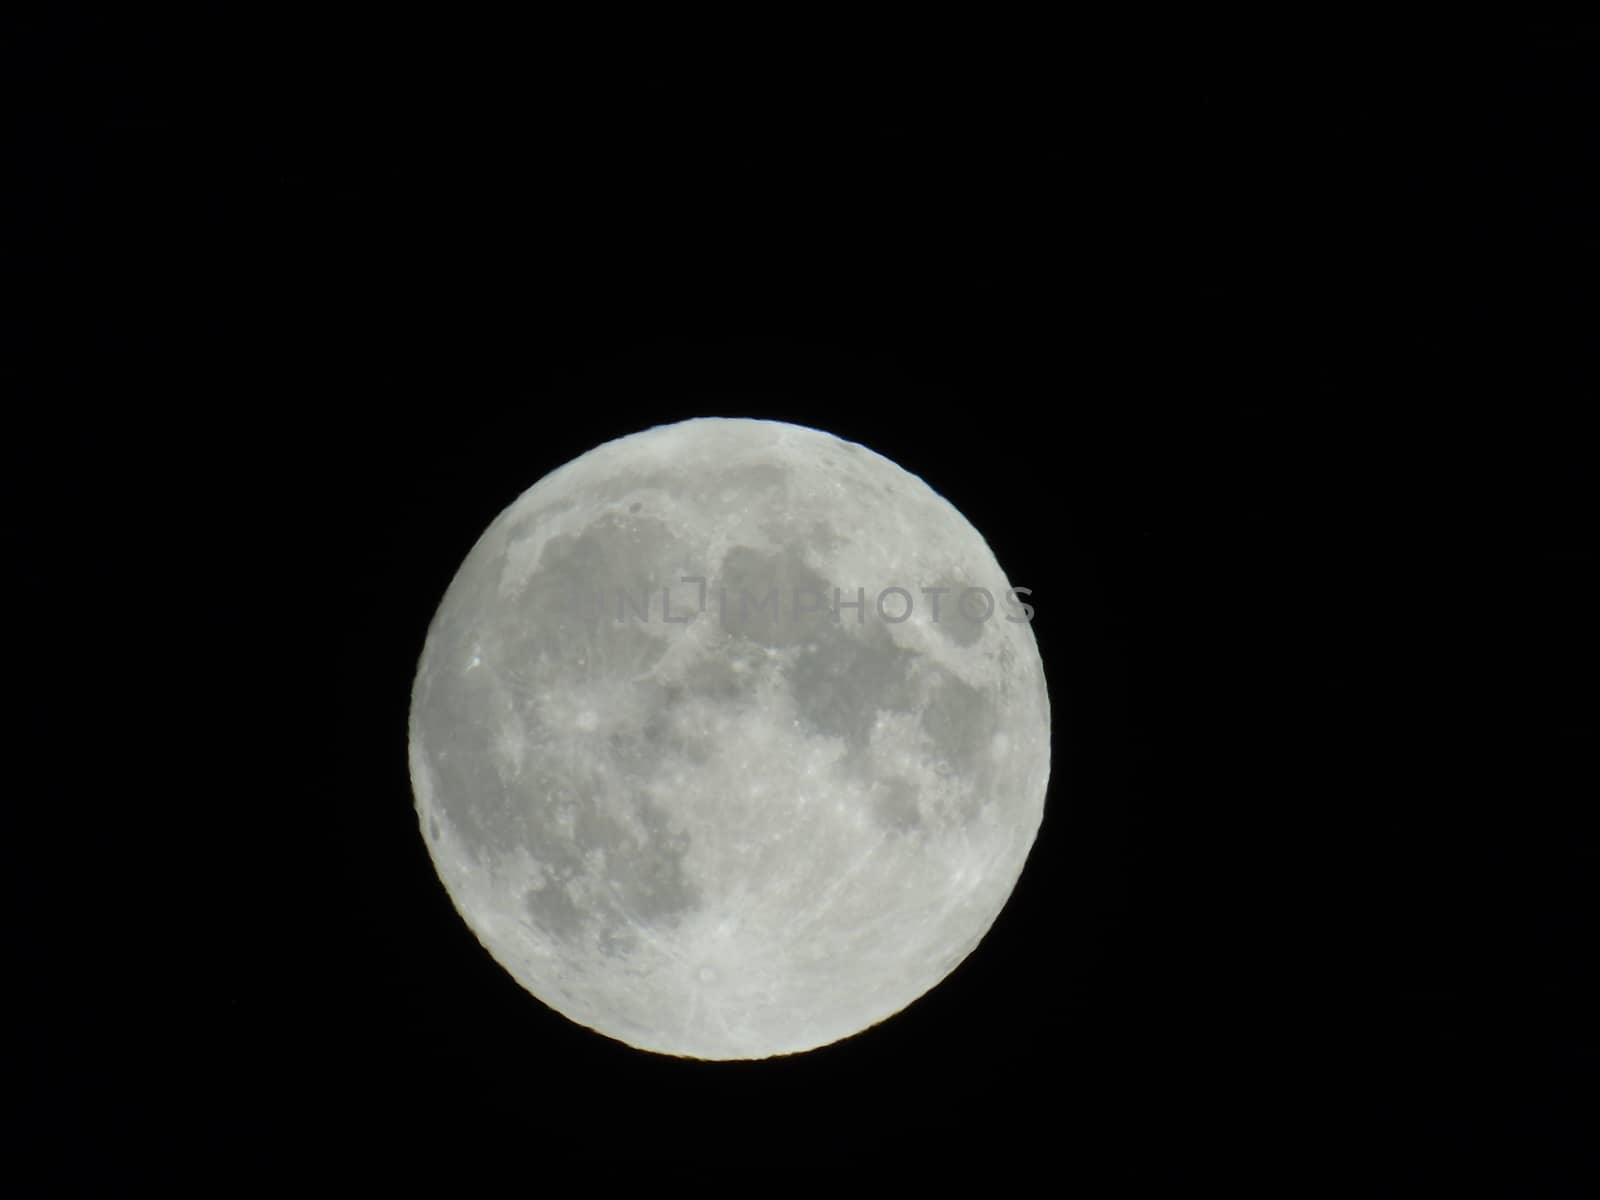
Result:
[{"x": 1260, "y": 355}]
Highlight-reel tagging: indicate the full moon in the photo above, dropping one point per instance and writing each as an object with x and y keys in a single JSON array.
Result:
[{"x": 730, "y": 739}]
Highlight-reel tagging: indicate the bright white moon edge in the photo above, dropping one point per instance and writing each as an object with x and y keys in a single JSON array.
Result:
[{"x": 748, "y": 834}]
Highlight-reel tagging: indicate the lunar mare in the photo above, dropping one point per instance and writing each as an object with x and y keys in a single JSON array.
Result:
[{"x": 743, "y": 829}]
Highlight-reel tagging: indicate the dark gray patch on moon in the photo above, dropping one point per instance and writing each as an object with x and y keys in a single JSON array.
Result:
[
  {"x": 960, "y": 723},
  {"x": 842, "y": 679},
  {"x": 894, "y": 806},
  {"x": 563, "y": 621},
  {"x": 553, "y": 911},
  {"x": 759, "y": 597},
  {"x": 841, "y": 675},
  {"x": 643, "y": 858},
  {"x": 471, "y": 789},
  {"x": 640, "y": 746},
  {"x": 843, "y": 672},
  {"x": 729, "y": 675},
  {"x": 529, "y": 522},
  {"x": 556, "y": 631},
  {"x": 962, "y": 622},
  {"x": 635, "y": 848}
]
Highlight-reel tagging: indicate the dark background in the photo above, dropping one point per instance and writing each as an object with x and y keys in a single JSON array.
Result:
[{"x": 1261, "y": 354}]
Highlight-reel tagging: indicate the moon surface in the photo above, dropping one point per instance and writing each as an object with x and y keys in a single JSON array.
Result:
[{"x": 718, "y": 748}]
